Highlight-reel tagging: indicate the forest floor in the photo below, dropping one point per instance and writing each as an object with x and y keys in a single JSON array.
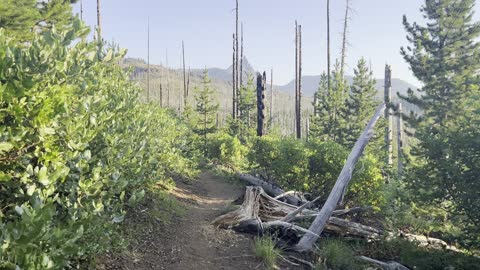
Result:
[{"x": 189, "y": 241}]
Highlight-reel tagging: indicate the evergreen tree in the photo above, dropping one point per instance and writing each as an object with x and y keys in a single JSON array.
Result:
[
  {"x": 247, "y": 103},
  {"x": 21, "y": 18},
  {"x": 206, "y": 108},
  {"x": 331, "y": 106},
  {"x": 445, "y": 56},
  {"x": 361, "y": 103}
]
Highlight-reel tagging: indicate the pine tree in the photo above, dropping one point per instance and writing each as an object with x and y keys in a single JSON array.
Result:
[
  {"x": 21, "y": 18},
  {"x": 206, "y": 109},
  {"x": 361, "y": 103},
  {"x": 330, "y": 122},
  {"x": 248, "y": 103},
  {"x": 445, "y": 56}
]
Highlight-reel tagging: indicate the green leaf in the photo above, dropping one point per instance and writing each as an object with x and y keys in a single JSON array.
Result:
[
  {"x": 42, "y": 176},
  {"x": 5, "y": 147}
]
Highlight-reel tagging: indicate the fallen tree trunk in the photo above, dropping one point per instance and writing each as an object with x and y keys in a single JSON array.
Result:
[
  {"x": 260, "y": 212},
  {"x": 308, "y": 240},
  {"x": 384, "y": 265},
  {"x": 294, "y": 198}
]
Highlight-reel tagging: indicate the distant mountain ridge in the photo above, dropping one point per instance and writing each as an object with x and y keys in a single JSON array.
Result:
[{"x": 310, "y": 86}]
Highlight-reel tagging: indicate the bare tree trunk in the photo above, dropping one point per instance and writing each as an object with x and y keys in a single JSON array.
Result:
[
  {"x": 99, "y": 25},
  {"x": 234, "y": 83},
  {"x": 240, "y": 76},
  {"x": 167, "y": 77},
  {"x": 299, "y": 90},
  {"x": 388, "y": 114},
  {"x": 236, "y": 57},
  {"x": 296, "y": 76},
  {"x": 328, "y": 46},
  {"x": 160, "y": 97},
  {"x": 344, "y": 42},
  {"x": 185, "y": 92},
  {"x": 308, "y": 240},
  {"x": 148, "y": 60},
  {"x": 241, "y": 58},
  {"x": 81, "y": 10},
  {"x": 261, "y": 104},
  {"x": 400, "y": 140},
  {"x": 271, "y": 97},
  {"x": 188, "y": 82}
]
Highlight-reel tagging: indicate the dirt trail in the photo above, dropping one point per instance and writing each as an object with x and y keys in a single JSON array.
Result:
[{"x": 189, "y": 241}]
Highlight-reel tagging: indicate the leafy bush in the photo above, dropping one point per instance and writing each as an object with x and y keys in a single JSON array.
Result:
[
  {"x": 76, "y": 149},
  {"x": 228, "y": 150},
  {"x": 314, "y": 167}
]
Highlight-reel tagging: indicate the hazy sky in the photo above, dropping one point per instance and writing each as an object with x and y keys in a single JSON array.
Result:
[{"x": 376, "y": 32}]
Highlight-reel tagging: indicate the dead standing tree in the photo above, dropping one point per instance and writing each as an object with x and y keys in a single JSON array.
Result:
[
  {"x": 148, "y": 60},
  {"x": 261, "y": 80},
  {"x": 328, "y": 46},
  {"x": 344, "y": 39},
  {"x": 388, "y": 114},
  {"x": 298, "y": 80},
  {"x": 271, "y": 98},
  {"x": 185, "y": 91},
  {"x": 234, "y": 83}
]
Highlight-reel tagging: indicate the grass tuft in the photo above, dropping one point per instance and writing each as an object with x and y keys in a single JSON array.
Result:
[{"x": 264, "y": 248}]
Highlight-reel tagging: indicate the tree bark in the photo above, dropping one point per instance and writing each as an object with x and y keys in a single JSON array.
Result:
[
  {"x": 308, "y": 240},
  {"x": 328, "y": 46},
  {"x": 388, "y": 114},
  {"x": 261, "y": 104},
  {"x": 271, "y": 97},
  {"x": 237, "y": 79},
  {"x": 99, "y": 25},
  {"x": 299, "y": 89},
  {"x": 234, "y": 83},
  {"x": 148, "y": 60}
]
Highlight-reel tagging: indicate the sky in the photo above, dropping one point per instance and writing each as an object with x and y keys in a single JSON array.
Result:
[{"x": 376, "y": 32}]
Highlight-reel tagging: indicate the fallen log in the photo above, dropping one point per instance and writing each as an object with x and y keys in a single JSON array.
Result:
[
  {"x": 307, "y": 242},
  {"x": 273, "y": 190},
  {"x": 384, "y": 265},
  {"x": 260, "y": 212}
]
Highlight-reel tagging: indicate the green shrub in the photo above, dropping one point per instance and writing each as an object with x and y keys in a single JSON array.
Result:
[
  {"x": 416, "y": 257},
  {"x": 228, "y": 150},
  {"x": 76, "y": 149},
  {"x": 314, "y": 167}
]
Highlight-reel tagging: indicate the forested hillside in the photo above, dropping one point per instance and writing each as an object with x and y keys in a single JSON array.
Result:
[{"x": 112, "y": 162}]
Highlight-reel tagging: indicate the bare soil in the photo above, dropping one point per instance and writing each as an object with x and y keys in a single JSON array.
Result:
[{"x": 189, "y": 241}]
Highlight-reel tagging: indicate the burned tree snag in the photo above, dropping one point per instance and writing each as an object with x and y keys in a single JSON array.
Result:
[
  {"x": 271, "y": 97},
  {"x": 388, "y": 114},
  {"x": 261, "y": 104},
  {"x": 298, "y": 115},
  {"x": 234, "y": 83},
  {"x": 185, "y": 91}
]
